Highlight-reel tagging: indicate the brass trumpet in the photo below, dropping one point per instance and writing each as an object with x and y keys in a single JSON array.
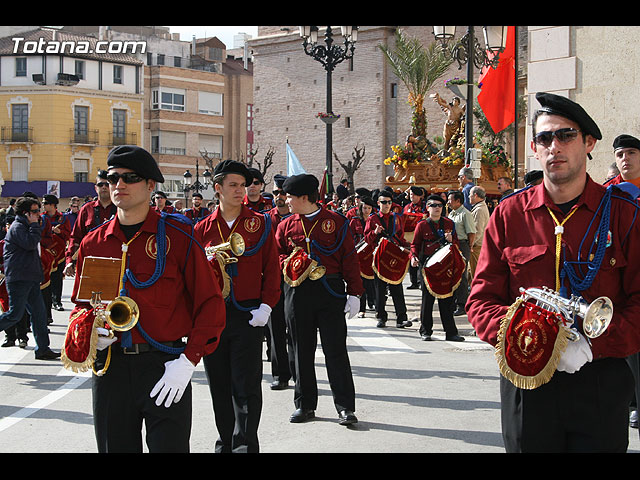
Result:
[
  {"x": 235, "y": 245},
  {"x": 596, "y": 316},
  {"x": 121, "y": 314}
]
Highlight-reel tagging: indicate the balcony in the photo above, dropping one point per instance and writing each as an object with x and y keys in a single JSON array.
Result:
[
  {"x": 117, "y": 138},
  {"x": 16, "y": 135},
  {"x": 84, "y": 137}
]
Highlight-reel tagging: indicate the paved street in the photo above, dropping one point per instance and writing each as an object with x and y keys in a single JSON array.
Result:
[{"x": 412, "y": 397}]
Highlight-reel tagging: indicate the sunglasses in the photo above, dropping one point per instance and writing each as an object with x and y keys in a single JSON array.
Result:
[
  {"x": 563, "y": 135},
  {"x": 128, "y": 178},
  {"x": 102, "y": 184},
  {"x": 384, "y": 202},
  {"x": 34, "y": 211},
  {"x": 256, "y": 182},
  {"x": 278, "y": 192},
  {"x": 434, "y": 205}
]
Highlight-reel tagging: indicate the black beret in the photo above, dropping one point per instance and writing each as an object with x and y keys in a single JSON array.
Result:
[
  {"x": 136, "y": 159},
  {"x": 233, "y": 166},
  {"x": 532, "y": 176},
  {"x": 386, "y": 193},
  {"x": 303, "y": 184},
  {"x": 196, "y": 194},
  {"x": 278, "y": 180},
  {"x": 29, "y": 195},
  {"x": 435, "y": 198},
  {"x": 558, "y": 105},
  {"x": 52, "y": 199},
  {"x": 256, "y": 174},
  {"x": 626, "y": 141},
  {"x": 363, "y": 192},
  {"x": 369, "y": 201},
  {"x": 417, "y": 190},
  {"x": 160, "y": 193}
]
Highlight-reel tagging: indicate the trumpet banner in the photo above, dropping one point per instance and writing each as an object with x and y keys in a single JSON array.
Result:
[
  {"x": 365, "y": 259},
  {"x": 79, "y": 352},
  {"x": 442, "y": 277},
  {"x": 530, "y": 342},
  {"x": 296, "y": 267}
]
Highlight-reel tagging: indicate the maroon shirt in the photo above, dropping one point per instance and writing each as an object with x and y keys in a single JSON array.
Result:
[
  {"x": 425, "y": 240},
  {"x": 325, "y": 228},
  {"x": 379, "y": 218},
  {"x": 85, "y": 221},
  {"x": 184, "y": 302},
  {"x": 258, "y": 275},
  {"x": 519, "y": 251}
]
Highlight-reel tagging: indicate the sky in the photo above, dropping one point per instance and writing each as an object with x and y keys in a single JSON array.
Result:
[{"x": 224, "y": 33}]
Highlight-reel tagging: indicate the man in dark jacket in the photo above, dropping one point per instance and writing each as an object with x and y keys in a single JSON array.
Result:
[{"x": 23, "y": 270}]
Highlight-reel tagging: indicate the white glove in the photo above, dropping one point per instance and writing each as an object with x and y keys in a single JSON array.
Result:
[
  {"x": 104, "y": 340},
  {"x": 352, "y": 306},
  {"x": 575, "y": 356},
  {"x": 260, "y": 316},
  {"x": 176, "y": 378}
]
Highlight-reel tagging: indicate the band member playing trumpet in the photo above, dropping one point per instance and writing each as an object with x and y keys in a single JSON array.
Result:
[
  {"x": 575, "y": 237},
  {"x": 234, "y": 370},
  {"x": 147, "y": 370},
  {"x": 385, "y": 223},
  {"x": 318, "y": 243},
  {"x": 430, "y": 235}
]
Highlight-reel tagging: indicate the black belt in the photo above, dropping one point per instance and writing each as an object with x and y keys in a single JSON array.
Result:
[{"x": 145, "y": 347}]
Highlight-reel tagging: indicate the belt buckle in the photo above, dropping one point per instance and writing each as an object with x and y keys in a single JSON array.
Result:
[{"x": 133, "y": 350}]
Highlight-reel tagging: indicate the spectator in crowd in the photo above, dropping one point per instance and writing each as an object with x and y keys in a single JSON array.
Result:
[
  {"x": 505, "y": 187},
  {"x": 480, "y": 214},
  {"x": 466, "y": 231},
  {"x": 465, "y": 179}
]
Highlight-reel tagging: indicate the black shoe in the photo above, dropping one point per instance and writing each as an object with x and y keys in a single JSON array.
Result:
[
  {"x": 49, "y": 321},
  {"x": 426, "y": 338},
  {"x": 455, "y": 338},
  {"x": 459, "y": 311},
  {"x": 22, "y": 343},
  {"x": 48, "y": 355},
  {"x": 404, "y": 323},
  {"x": 633, "y": 419},
  {"x": 278, "y": 385},
  {"x": 413, "y": 287},
  {"x": 301, "y": 415},
  {"x": 59, "y": 307},
  {"x": 381, "y": 323},
  {"x": 347, "y": 417}
]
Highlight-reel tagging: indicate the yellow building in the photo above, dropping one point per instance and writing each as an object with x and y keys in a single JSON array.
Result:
[{"x": 65, "y": 101}]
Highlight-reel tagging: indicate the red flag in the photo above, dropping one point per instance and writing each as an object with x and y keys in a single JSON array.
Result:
[{"x": 497, "y": 92}]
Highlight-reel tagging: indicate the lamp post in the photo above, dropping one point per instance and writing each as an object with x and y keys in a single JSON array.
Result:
[
  {"x": 468, "y": 51},
  {"x": 329, "y": 55},
  {"x": 196, "y": 186}
]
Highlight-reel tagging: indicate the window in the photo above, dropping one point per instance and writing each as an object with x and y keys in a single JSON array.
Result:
[
  {"x": 80, "y": 170},
  {"x": 394, "y": 90},
  {"x": 19, "y": 169},
  {"x": 160, "y": 59},
  {"x": 80, "y": 69},
  {"x": 117, "y": 74},
  {"x": 177, "y": 61},
  {"x": 119, "y": 126},
  {"x": 168, "y": 99},
  {"x": 81, "y": 124},
  {"x": 19, "y": 122},
  {"x": 21, "y": 67},
  {"x": 210, "y": 103}
]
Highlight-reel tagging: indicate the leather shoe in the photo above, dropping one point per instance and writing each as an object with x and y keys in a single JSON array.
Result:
[
  {"x": 301, "y": 415},
  {"x": 381, "y": 324},
  {"x": 459, "y": 311},
  {"x": 455, "y": 338},
  {"x": 404, "y": 323},
  {"x": 48, "y": 355},
  {"x": 277, "y": 385},
  {"x": 413, "y": 287},
  {"x": 347, "y": 417},
  {"x": 425, "y": 338}
]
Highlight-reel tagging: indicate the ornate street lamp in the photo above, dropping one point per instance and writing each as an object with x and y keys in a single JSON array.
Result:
[
  {"x": 468, "y": 51},
  {"x": 329, "y": 55},
  {"x": 196, "y": 186}
]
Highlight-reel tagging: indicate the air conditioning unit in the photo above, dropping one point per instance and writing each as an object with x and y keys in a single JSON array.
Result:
[
  {"x": 38, "y": 78},
  {"x": 67, "y": 79}
]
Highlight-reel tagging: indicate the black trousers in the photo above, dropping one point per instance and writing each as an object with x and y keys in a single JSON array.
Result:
[
  {"x": 445, "y": 307},
  {"x": 281, "y": 352},
  {"x": 121, "y": 403},
  {"x": 369, "y": 295},
  {"x": 309, "y": 309},
  {"x": 587, "y": 411},
  {"x": 234, "y": 372},
  {"x": 397, "y": 295}
]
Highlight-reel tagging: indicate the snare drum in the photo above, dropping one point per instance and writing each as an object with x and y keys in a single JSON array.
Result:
[{"x": 442, "y": 271}]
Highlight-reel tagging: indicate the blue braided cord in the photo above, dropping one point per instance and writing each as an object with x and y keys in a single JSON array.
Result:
[
  {"x": 235, "y": 302},
  {"x": 157, "y": 345},
  {"x": 160, "y": 259},
  {"x": 333, "y": 248},
  {"x": 593, "y": 266}
]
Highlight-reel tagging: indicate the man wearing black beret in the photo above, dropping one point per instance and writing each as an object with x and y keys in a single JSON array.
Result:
[
  {"x": 144, "y": 372},
  {"x": 574, "y": 237},
  {"x": 626, "y": 150},
  {"x": 315, "y": 304},
  {"x": 254, "y": 198}
]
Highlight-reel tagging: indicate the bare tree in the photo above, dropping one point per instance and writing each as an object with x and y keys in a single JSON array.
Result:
[{"x": 352, "y": 165}]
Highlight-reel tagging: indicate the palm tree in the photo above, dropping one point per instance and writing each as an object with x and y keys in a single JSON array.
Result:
[{"x": 418, "y": 68}]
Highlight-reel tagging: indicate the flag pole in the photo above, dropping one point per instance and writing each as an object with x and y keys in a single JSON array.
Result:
[{"x": 515, "y": 130}]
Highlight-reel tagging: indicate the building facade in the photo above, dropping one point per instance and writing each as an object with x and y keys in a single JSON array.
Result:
[{"x": 63, "y": 110}]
